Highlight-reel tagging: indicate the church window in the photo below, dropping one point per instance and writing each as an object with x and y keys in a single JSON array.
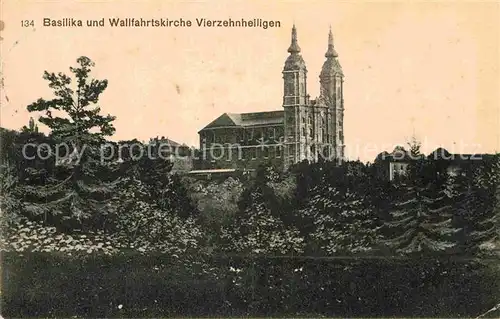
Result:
[
  {"x": 258, "y": 135},
  {"x": 289, "y": 88},
  {"x": 311, "y": 132},
  {"x": 266, "y": 152},
  {"x": 279, "y": 132},
  {"x": 303, "y": 119},
  {"x": 271, "y": 133},
  {"x": 304, "y": 131}
]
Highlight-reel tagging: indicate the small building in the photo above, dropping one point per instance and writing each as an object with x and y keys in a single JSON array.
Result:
[
  {"x": 390, "y": 165},
  {"x": 180, "y": 155}
]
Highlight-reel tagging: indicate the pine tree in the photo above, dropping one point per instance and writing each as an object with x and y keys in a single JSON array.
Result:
[
  {"x": 78, "y": 194},
  {"x": 422, "y": 216},
  {"x": 257, "y": 231},
  {"x": 479, "y": 209},
  {"x": 344, "y": 216}
]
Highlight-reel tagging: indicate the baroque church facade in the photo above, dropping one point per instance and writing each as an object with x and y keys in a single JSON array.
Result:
[{"x": 305, "y": 128}]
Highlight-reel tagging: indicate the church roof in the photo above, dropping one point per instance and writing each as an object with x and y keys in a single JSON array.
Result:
[
  {"x": 247, "y": 119},
  {"x": 331, "y": 65},
  {"x": 294, "y": 61},
  {"x": 399, "y": 154},
  {"x": 165, "y": 140}
]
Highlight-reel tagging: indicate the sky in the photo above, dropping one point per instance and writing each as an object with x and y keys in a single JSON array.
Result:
[{"x": 425, "y": 69}]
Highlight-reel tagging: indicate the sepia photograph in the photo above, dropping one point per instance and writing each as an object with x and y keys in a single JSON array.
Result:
[{"x": 250, "y": 159}]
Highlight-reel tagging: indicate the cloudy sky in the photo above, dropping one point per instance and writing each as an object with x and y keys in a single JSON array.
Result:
[{"x": 425, "y": 69}]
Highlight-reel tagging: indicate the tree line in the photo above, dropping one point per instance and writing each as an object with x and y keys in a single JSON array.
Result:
[
  {"x": 314, "y": 208},
  {"x": 137, "y": 205}
]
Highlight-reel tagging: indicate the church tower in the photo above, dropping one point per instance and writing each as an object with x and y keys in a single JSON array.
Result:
[
  {"x": 332, "y": 97},
  {"x": 295, "y": 104}
]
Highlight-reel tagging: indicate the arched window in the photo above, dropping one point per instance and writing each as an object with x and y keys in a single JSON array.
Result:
[{"x": 289, "y": 87}]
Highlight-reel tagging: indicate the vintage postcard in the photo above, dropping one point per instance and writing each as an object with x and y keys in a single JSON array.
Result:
[{"x": 250, "y": 159}]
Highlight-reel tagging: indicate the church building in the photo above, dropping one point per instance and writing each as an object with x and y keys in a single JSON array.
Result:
[{"x": 304, "y": 129}]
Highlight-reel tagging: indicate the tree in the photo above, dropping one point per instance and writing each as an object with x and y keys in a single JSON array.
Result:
[
  {"x": 152, "y": 209},
  {"x": 421, "y": 219},
  {"x": 414, "y": 145},
  {"x": 479, "y": 209},
  {"x": 78, "y": 194},
  {"x": 32, "y": 127},
  {"x": 217, "y": 202},
  {"x": 344, "y": 214},
  {"x": 259, "y": 228},
  {"x": 82, "y": 124}
]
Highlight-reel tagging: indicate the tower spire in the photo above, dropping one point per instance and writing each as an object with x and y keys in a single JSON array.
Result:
[
  {"x": 331, "y": 53},
  {"x": 294, "y": 46}
]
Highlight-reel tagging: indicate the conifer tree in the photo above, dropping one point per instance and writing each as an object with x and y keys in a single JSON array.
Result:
[
  {"x": 421, "y": 219},
  {"x": 344, "y": 215},
  {"x": 479, "y": 211},
  {"x": 78, "y": 194}
]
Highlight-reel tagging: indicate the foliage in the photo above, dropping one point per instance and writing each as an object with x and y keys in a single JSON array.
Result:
[
  {"x": 151, "y": 209},
  {"x": 73, "y": 191},
  {"x": 259, "y": 228},
  {"x": 152, "y": 174},
  {"x": 28, "y": 236},
  {"x": 216, "y": 201},
  {"x": 479, "y": 212},
  {"x": 81, "y": 119},
  {"x": 261, "y": 233},
  {"x": 247, "y": 239},
  {"x": 344, "y": 224},
  {"x": 31, "y": 128},
  {"x": 160, "y": 286},
  {"x": 422, "y": 216},
  {"x": 342, "y": 213}
]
